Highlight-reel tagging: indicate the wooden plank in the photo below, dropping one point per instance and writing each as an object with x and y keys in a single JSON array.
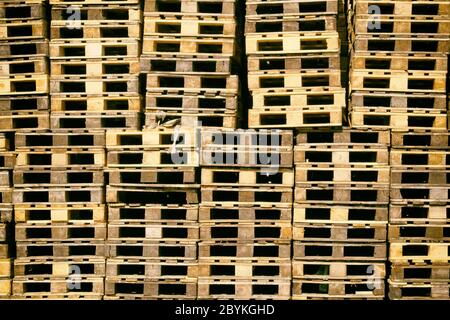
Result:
[
  {"x": 58, "y": 213},
  {"x": 41, "y": 268},
  {"x": 339, "y": 251},
  {"x": 152, "y": 249},
  {"x": 333, "y": 289},
  {"x": 245, "y": 231},
  {"x": 324, "y": 270},
  {"x": 336, "y": 214},
  {"x": 367, "y": 232},
  {"x": 60, "y": 232}
]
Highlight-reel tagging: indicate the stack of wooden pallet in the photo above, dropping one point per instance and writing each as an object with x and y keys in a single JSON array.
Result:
[
  {"x": 152, "y": 200},
  {"x": 6, "y": 165},
  {"x": 294, "y": 64},
  {"x": 188, "y": 55},
  {"x": 399, "y": 63},
  {"x": 94, "y": 52},
  {"x": 340, "y": 214},
  {"x": 23, "y": 65},
  {"x": 245, "y": 214},
  {"x": 419, "y": 216},
  {"x": 60, "y": 226}
]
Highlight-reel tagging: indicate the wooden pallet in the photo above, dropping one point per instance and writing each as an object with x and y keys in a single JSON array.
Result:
[
  {"x": 83, "y": 139},
  {"x": 398, "y": 100},
  {"x": 316, "y": 232},
  {"x": 59, "y": 194},
  {"x": 53, "y": 178},
  {"x": 270, "y": 24},
  {"x": 6, "y": 195},
  {"x": 406, "y": 119},
  {"x": 125, "y": 288},
  {"x": 99, "y": 11},
  {"x": 432, "y": 176},
  {"x": 266, "y": 231},
  {"x": 242, "y": 250},
  {"x": 205, "y": 46},
  {"x": 24, "y": 103},
  {"x": 74, "y": 120},
  {"x": 406, "y": 8},
  {"x": 5, "y": 288},
  {"x": 60, "y": 232},
  {"x": 278, "y": 289},
  {"x": 151, "y": 196},
  {"x": 238, "y": 213},
  {"x": 11, "y": 11},
  {"x": 419, "y": 290},
  {"x": 346, "y": 136},
  {"x": 24, "y": 85},
  {"x": 246, "y": 177},
  {"x": 395, "y": 43},
  {"x": 339, "y": 251},
  {"x": 325, "y": 270},
  {"x": 69, "y": 159},
  {"x": 61, "y": 268},
  {"x": 160, "y": 177},
  {"x": 23, "y": 66},
  {"x": 152, "y": 250},
  {"x": 292, "y": 43},
  {"x": 419, "y": 273},
  {"x": 179, "y": 157},
  {"x": 94, "y": 68},
  {"x": 221, "y": 9},
  {"x": 82, "y": 85},
  {"x": 24, "y": 29},
  {"x": 400, "y": 26},
  {"x": 111, "y": 102},
  {"x": 38, "y": 287},
  {"x": 89, "y": 29},
  {"x": 355, "y": 175},
  {"x": 49, "y": 250},
  {"x": 337, "y": 289},
  {"x": 416, "y": 231},
  {"x": 322, "y": 61},
  {"x": 420, "y": 139},
  {"x": 204, "y": 118},
  {"x": 419, "y": 252},
  {"x": 23, "y": 48},
  {"x": 258, "y": 8},
  {"x": 94, "y": 2},
  {"x": 152, "y": 213},
  {"x": 24, "y": 120},
  {"x": 188, "y": 231},
  {"x": 419, "y": 194},
  {"x": 331, "y": 213},
  {"x": 57, "y": 213},
  {"x": 246, "y": 195},
  {"x": 6, "y": 213},
  {"x": 162, "y": 270},
  {"x": 168, "y": 63},
  {"x": 5, "y": 268},
  {"x": 93, "y": 48},
  {"x": 410, "y": 214}
]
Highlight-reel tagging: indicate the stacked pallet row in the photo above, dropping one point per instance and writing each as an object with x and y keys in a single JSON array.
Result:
[
  {"x": 398, "y": 63},
  {"x": 189, "y": 55},
  {"x": 245, "y": 214},
  {"x": 294, "y": 73},
  {"x": 152, "y": 197},
  {"x": 6, "y": 212},
  {"x": 340, "y": 214},
  {"x": 60, "y": 227},
  {"x": 23, "y": 66},
  {"x": 419, "y": 216},
  {"x": 94, "y": 52}
]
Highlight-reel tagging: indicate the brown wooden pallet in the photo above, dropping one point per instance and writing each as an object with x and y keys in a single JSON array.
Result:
[
  {"x": 94, "y": 68},
  {"x": 82, "y": 85},
  {"x": 93, "y": 48},
  {"x": 70, "y": 158},
  {"x": 246, "y": 195},
  {"x": 218, "y": 269},
  {"x": 215, "y": 64},
  {"x": 400, "y": 100},
  {"x": 269, "y": 24},
  {"x": 225, "y": 85},
  {"x": 411, "y": 214},
  {"x": 418, "y": 176},
  {"x": 24, "y": 85},
  {"x": 94, "y": 2},
  {"x": 159, "y": 118},
  {"x": 292, "y": 43},
  {"x": 205, "y": 46},
  {"x": 414, "y": 81},
  {"x": 21, "y": 66},
  {"x": 111, "y": 102},
  {"x": 84, "y": 139},
  {"x": 325, "y": 270},
  {"x": 5, "y": 195},
  {"x": 5, "y": 288},
  {"x": 23, "y": 48},
  {"x": 222, "y": 8},
  {"x": 347, "y": 136},
  {"x": 41, "y": 286},
  {"x": 4, "y": 252},
  {"x": 242, "y": 250},
  {"x": 391, "y": 43},
  {"x": 151, "y": 196},
  {"x": 56, "y": 213},
  {"x": 6, "y": 213},
  {"x": 257, "y": 8},
  {"x": 387, "y": 118},
  {"x": 157, "y": 289},
  {"x": 24, "y": 29},
  {"x": 179, "y": 157},
  {"x": 293, "y": 79},
  {"x": 367, "y": 232},
  {"x": 10, "y": 11},
  {"x": 419, "y": 290},
  {"x": 59, "y": 194},
  {"x": 47, "y": 296},
  {"x": 313, "y": 174},
  {"x": 61, "y": 268},
  {"x": 420, "y": 139},
  {"x": 54, "y": 178},
  {"x": 99, "y": 11},
  {"x": 323, "y": 61},
  {"x": 238, "y": 213},
  {"x": 339, "y": 251},
  {"x": 418, "y": 194},
  {"x": 265, "y": 231},
  {"x": 246, "y": 177},
  {"x": 188, "y": 26},
  {"x": 308, "y": 117},
  {"x": 418, "y": 231},
  {"x": 73, "y": 120},
  {"x": 420, "y": 273},
  {"x": 154, "y": 250},
  {"x": 49, "y": 250},
  {"x": 337, "y": 289},
  {"x": 160, "y": 177},
  {"x": 419, "y": 252},
  {"x": 345, "y": 193},
  {"x": 406, "y": 8},
  {"x": 187, "y": 231},
  {"x": 392, "y": 24},
  {"x": 59, "y": 232},
  {"x": 278, "y": 289},
  {"x": 331, "y": 213},
  {"x": 420, "y": 159},
  {"x": 344, "y": 157},
  {"x": 7, "y": 160},
  {"x": 88, "y": 29},
  {"x": 163, "y": 270},
  {"x": 24, "y": 103},
  {"x": 24, "y": 120},
  {"x": 5, "y": 268},
  {"x": 152, "y": 213}
]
